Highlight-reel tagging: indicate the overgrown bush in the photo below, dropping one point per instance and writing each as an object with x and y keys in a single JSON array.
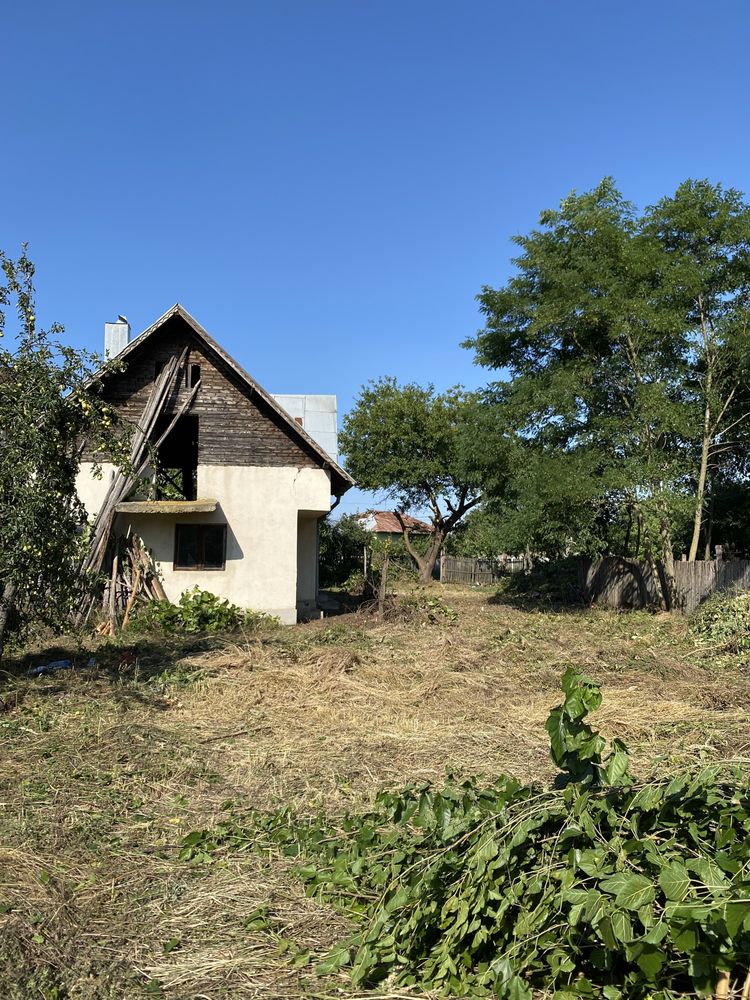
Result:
[
  {"x": 342, "y": 545},
  {"x": 199, "y": 611},
  {"x": 723, "y": 621},
  {"x": 599, "y": 887},
  {"x": 354, "y": 583}
]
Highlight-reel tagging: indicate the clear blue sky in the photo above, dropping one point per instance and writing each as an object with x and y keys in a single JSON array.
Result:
[{"x": 326, "y": 185}]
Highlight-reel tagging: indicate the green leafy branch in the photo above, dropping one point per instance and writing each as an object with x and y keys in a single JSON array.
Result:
[{"x": 598, "y": 887}]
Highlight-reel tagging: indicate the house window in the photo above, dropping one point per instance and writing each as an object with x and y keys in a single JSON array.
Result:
[
  {"x": 177, "y": 465},
  {"x": 200, "y": 546},
  {"x": 194, "y": 376}
]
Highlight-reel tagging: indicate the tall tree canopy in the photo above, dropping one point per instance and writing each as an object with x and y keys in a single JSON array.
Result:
[
  {"x": 46, "y": 407},
  {"x": 421, "y": 448},
  {"x": 625, "y": 336}
]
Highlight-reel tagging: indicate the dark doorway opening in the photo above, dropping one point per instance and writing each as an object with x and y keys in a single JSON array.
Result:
[{"x": 177, "y": 466}]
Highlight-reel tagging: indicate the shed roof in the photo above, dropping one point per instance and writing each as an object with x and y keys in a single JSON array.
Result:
[{"x": 386, "y": 521}]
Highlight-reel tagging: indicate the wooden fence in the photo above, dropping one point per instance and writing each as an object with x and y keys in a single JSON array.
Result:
[
  {"x": 459, "y": 569},
  {"x": 622, "y": 583}
]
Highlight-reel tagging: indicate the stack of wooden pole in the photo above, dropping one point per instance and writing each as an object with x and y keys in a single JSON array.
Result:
[
  {"x": 124, "y": 481},
  {"x": 134, "y": 576}
]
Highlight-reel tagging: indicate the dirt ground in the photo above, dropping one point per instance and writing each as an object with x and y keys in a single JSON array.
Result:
[{"x": 105, "y": 768}]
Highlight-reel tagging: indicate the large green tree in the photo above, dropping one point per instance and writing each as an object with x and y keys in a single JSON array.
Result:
[
  {"x": 704, "y": 233},
  {"x": 624, "y": 337},
  {"x": 47, "y": 406},
  {"x": 420, "y": 448}
]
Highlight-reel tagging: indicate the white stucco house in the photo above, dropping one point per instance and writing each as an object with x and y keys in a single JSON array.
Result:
[{"x": 241, "y": 483}]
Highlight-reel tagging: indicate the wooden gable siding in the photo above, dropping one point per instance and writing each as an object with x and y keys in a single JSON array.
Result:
[{"x": 236, "y": 427}]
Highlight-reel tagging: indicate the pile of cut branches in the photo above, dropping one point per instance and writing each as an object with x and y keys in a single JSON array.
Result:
[{"x": 600, "y": 886}]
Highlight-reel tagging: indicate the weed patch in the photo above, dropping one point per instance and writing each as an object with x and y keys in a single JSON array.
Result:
[{"x": 723, "y": 622}]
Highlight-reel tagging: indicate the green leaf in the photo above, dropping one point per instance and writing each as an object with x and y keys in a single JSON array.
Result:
[
  {"x": 193, "y": 838},
  {"x": 630, "y": 891},
  {"x": 170, "y": 945},
  {"x": 557, "y": 731},
  {"x": 734, "y": 916},
  {"x": 684, "y": 936},
  {"x": 657, "y": 933},
  {"x": 675, "y": 881},
  {"x": 333, "y": 962},
  {"x": 607, "y": 935},
  {"x": 617, "y": 764},
  {"x": 710, "y": 874},
  {"x": 622, "y": 928},
  {"x": 703, "y": 970},
  {"x": 650, "y": 960},
  {"x": 257, "y": 920}
]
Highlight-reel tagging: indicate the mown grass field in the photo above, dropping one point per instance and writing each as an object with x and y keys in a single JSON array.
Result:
[{"x": 104, "y": 769}]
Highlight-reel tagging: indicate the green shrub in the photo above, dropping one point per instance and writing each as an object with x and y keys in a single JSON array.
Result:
[
  {"x": 723, "y": 621},
  {"x": 199, "y": 611},
  {"x": 428, "y": 606},
  {"x": 342, "y": 544},
  {"x": 354, "y": 583}
]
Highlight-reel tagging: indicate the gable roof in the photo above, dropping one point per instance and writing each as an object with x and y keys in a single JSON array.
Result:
[
  {"x": 386, "y": 521},
  {"x": 345, "y": 481}
]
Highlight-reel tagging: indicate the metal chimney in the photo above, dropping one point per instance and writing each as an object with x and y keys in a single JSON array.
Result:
[{"x": 116, "y": 336}]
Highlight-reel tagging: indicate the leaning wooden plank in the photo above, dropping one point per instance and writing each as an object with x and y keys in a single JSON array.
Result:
[
  {"x": 133, "y": 595},
  {"x": 123, "y": 483},
  {"x": 113, "y": 595}
]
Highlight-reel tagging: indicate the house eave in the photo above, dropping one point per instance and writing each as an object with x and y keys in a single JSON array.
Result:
[{"x": 167, "y": 506}]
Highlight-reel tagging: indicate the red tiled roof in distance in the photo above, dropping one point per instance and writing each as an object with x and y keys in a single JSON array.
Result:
[{"x": 387, "y": 522}]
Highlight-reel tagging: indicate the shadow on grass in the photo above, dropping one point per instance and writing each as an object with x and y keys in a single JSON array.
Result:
[
  {"x": 335, "y": 602},
  {"x": 551, "y": 587},
  {"x": 131, "y": 669}
]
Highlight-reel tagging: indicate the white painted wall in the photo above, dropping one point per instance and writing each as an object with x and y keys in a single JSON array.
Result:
[
  {"x": 91, "y": 491},
  {"x": 261, "y": 509}
]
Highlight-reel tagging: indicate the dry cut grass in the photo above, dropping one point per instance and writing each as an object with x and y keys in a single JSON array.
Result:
[{"x": 103, "y": 771}]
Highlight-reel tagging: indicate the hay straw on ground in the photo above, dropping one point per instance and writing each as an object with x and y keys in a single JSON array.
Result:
[{"x": 102, "y": 775}]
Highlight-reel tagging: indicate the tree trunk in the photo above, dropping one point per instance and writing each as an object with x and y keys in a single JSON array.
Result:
[
  {"x": 709, "y": 525},
  {"x": 7, "y": 602},
  {"x": 648, "y": 552},
  {"x": 426, "y": 563},
  {"x": 654, "y": 567},
  {"x": 626, "y": 544},
  {"x": 701, "y": 491},
  {"x": 383, "y": 588},
  {"x": 639, "y": 528},
  {"x": 669, "y": 586}
]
